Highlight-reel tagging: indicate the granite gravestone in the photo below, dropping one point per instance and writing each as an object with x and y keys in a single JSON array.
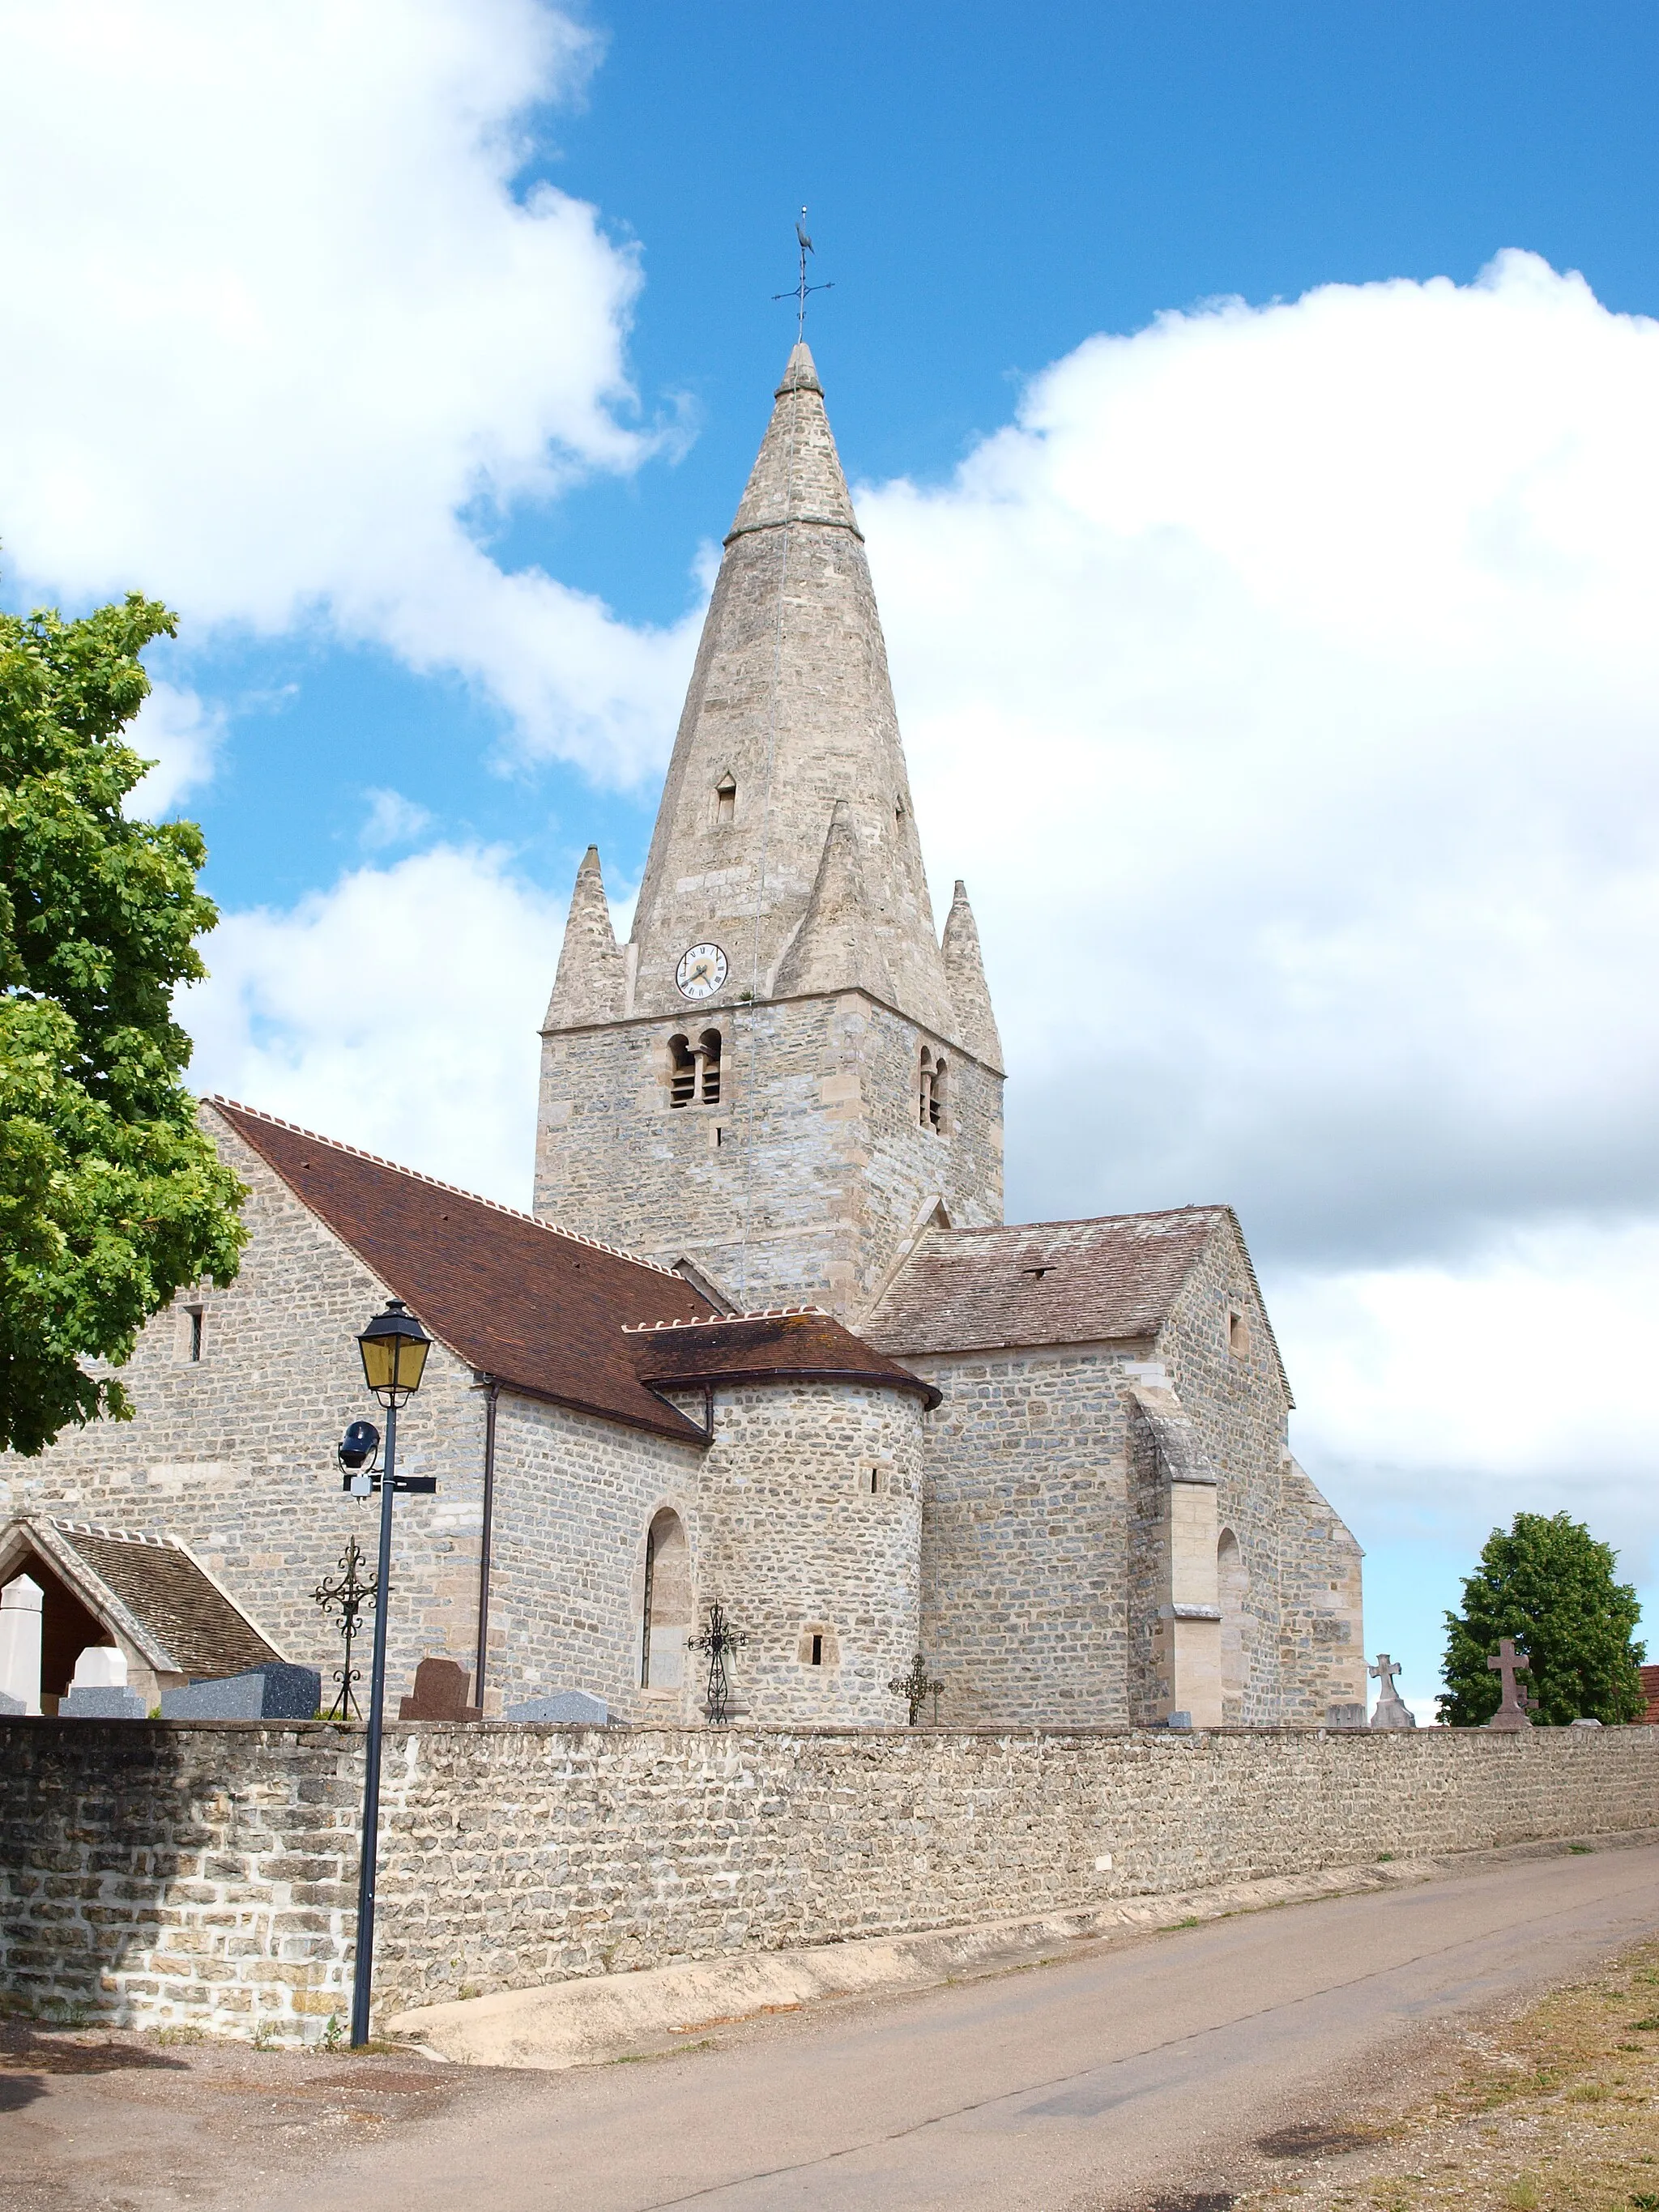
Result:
[{"x": 274, "y": 1692}]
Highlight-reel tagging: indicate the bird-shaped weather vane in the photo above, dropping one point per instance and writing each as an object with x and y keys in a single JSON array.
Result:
[{"x": 799, "y": 293}]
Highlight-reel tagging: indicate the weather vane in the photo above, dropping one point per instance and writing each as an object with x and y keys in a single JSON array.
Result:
[{"x": 799, "y": 293}]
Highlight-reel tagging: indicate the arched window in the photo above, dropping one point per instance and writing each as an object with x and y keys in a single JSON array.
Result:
[
  {"x": 1233, "y": 1589},
  {"x": 726, "y": 800},
  {"x": 681, "y": 1072},
  {"x": 694, "y": 1070},
  {"x": 666, "y": 1615}
]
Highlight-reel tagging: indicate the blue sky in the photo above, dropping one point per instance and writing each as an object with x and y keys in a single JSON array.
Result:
[
  {"x": 1276, "y": 673},
  {"x": 987, "y": 188}
]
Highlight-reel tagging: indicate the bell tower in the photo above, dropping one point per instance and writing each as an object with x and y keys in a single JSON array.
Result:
[{"x": 785, "y": 1072}]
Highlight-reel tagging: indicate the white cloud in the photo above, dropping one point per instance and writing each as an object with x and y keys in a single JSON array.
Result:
[
  {"x": 429, "y": 1057},
  {"x": 278, "y": 326},
  {"x": 1283, "y": 682},
  {"x": 393, "y": 820},
  {"x": 179, "y": 732}
]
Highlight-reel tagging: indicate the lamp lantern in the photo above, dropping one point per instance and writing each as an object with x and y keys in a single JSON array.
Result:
[{"x": 394, "y": 1347}]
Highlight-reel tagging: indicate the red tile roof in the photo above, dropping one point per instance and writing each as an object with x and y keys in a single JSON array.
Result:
[
  {"x": 1041, "y": 1282},
  {"x": 538, "y": 1307},
  {"x": 791, "y": 1344},
  {"x": 1651, "y": 1685}
]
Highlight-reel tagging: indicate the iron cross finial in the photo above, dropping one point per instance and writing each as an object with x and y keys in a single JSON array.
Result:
[{"x": 802, "y": 290}]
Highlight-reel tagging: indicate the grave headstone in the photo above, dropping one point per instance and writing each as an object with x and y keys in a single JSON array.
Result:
[
  {"x": 10, "y": 1704},
  {"x": 440, "y": 1688},
  {"x": 274, "y": 1692},
  {"x": 572, "y": 1706},
  {"x": 98, "y": 1690},
  {"x": 1512, "y": 1712},
  {"x": 1392, "y": 1711},
  {"x": 1346, "y": 1716}
]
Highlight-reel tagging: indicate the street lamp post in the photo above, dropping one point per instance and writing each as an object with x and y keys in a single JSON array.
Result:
[{"x": 394, "y": 1347}]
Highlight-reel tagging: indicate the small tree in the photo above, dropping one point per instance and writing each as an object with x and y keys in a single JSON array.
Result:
[
  {"x": 111, "y": 1198},
  {"x": 1550, "y": 1585}
]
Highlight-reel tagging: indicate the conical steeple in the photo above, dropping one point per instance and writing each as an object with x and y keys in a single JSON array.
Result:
[
  {"x": 790, "y": 710},
  {"x": 836, "y": 947},
  {"x": 964, "y": 971},
  {"x": 588, "y": 987}
]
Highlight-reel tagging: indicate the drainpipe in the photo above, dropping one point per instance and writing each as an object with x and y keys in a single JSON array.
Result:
[{"x": 492, "y": 1390}]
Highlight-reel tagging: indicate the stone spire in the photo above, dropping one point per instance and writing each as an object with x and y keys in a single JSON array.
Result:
[
  {"x": 589, "y": 984},
  {"x": 964, "y": 972},
  {"x": 836, "y": 947},
  {"x": 790, "y": 712}
]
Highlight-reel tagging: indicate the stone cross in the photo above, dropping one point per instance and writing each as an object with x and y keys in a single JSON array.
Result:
[
  {"x": 1392, "y": 1711},
  {"x": 1512, "y": 1712}
]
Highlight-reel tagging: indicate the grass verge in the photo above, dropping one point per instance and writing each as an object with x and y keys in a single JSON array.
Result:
[{"x": 1554, "y": 2109}]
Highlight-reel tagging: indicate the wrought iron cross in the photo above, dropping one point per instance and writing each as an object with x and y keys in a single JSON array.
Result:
[
  {"x": 718, "y": 1639},
  {"x": 1512, "y": 1711},
  {"x": 916, "y": 1687},
  {"x": 803, "y": 289},
  {"x": 350, "y": 1596}
]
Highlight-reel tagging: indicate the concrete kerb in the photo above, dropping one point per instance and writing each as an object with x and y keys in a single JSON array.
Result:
[{"x": 601, "y": 2019}]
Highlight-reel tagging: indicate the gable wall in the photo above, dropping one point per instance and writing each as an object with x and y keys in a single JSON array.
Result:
[
  {"x": 236, "y": 1454},
  {"x": 1302, "y": 1630}
]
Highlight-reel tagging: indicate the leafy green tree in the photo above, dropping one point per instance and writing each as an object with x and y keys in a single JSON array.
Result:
[
  {"x": 111, "y": 1198},
  {"x": 1547, "y": 1583}
]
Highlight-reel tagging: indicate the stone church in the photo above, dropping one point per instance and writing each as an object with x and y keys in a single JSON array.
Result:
[{"x": 765, "y": 1339}]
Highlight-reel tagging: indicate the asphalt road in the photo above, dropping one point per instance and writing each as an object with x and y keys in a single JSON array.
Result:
[{"x": 1130, "y": 2072}]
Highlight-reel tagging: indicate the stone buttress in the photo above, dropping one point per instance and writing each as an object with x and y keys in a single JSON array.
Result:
[{"x": 783, "y": 1071}]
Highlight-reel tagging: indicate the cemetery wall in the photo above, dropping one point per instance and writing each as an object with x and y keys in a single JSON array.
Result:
[{"x": 154, "y": 1872}]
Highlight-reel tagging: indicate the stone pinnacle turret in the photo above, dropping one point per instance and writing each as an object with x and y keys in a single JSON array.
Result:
[
  {"x": 836, "y": 947},
  {"x": 588, "y": 987},
  {"x": 964, "y": 971}
]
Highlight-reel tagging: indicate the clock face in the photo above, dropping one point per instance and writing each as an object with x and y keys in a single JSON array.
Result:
[{"x": 700, "y": 972}]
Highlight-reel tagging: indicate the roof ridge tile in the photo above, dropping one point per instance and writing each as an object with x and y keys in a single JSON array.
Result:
[{"x": 717, "y": 1321}]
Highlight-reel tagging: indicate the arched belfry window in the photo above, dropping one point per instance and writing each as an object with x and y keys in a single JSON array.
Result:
[
  {"x": 665, "y": 1614},
  {"x": 726, "y": 800},
  {"x": 930, "y": 1099},
  {"x": 708, "y": 1089},
  {"x": 681, "y": 1072}
]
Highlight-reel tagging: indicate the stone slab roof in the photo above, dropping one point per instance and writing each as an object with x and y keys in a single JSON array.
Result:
[
  {"x": 1040, "y": 1282},
  {"x": 539, "y": 1308},
  {"x": 154, "y": 1591},
  {"x": 802, "y": 1344}
]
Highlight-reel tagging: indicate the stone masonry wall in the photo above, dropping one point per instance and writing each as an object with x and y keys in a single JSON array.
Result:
[
  {"x": 151, "y": 1873},
  {"x": 575, "y": 1497},
  {"x": 234, "y": 1453},
  {"x": 1024, "y": 1559},
  {"x": 805, "y": 1178},
  {"x": 793, "y": 1543}
]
